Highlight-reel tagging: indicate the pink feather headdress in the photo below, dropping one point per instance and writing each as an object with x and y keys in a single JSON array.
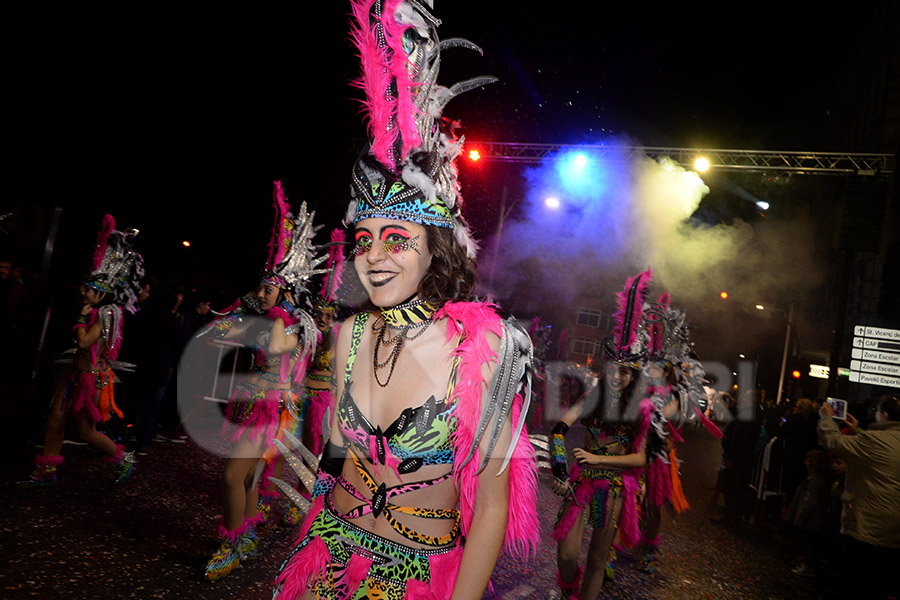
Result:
[
  {"x": 292, "y": 260},
  {"x": 116, "y": 267},
  {"x": 385, "y": 79},
  {"x": 408, "y": 172},
  {"x": 656, "y": 328},
  {"x": 280, "y": 242},
  {"x": 109, "y": 224},
  {"x": 625, "y": 344}
]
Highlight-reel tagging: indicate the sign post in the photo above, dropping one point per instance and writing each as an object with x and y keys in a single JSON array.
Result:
[{"x": 876, "y": 356}]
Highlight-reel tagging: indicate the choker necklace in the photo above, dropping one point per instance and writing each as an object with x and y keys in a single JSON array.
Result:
[{"x": 413, "y": 315}]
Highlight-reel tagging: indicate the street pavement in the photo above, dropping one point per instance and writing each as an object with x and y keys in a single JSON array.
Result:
[{"x": 150, "y": 537}]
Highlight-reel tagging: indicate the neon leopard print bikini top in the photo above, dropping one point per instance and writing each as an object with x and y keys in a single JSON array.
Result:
[{"x": 419, "y": 436}]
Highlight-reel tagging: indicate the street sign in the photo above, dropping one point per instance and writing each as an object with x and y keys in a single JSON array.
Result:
[
  {"x": 874, "y": 379},
  {"x": 877, "y": 332},
  {"x": 876, "y": 356},
  {"x": 873, "y": 367}
]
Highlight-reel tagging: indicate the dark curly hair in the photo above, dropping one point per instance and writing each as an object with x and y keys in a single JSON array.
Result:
[{"x": 451, "y": 276}]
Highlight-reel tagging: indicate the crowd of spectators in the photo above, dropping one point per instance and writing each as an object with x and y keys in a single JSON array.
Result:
[{"x": 834, "y": 484}]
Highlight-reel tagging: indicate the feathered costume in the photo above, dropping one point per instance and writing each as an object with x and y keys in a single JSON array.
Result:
[
  {"x": 116, "y": 270},
  {"x": 594, "y": 488},
  {"x": 266, "y": 403},
  {"x": 317, "y": 387},
  {"x": 263, "y": 410},
  {"x": 407, "y": 174},
  {"x": 669, "y": 351}
]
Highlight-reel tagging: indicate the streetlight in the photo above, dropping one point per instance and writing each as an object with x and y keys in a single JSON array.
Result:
[{"x": 787, "y": 339}]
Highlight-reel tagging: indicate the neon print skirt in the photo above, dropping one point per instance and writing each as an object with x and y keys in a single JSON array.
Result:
[
  {"x": 337, "y": 560},
  {"x": 90, "y": 393},
  {"x": 595, "y": 493},
  {"x": 257, "y": 411}
]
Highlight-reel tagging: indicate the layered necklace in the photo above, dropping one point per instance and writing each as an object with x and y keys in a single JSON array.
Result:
[{"x": 412, "y": 316}]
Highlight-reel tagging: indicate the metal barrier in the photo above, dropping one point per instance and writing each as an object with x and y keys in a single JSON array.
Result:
[
  {"x": 223, "y": 346},
  {"x": 765, "y": 482}
]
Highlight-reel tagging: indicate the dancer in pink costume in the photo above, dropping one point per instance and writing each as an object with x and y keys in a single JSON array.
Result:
[
  {"x": 314, "y": 424},
  {"x": 282, "y": 338},
  {"x": 675, "y": 390},
  {"x": 428, "y": 473},
  {"x": 603, "y": 486},
  {"x": 85, "y": 391}
]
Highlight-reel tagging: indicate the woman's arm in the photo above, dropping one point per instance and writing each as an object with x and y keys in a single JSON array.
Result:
[
  {"x": 279, "y": 342},
  {"x": 86, "y": 336},
  {"x": 487, "y": 530},
  {"x": 636, "y": 459}
]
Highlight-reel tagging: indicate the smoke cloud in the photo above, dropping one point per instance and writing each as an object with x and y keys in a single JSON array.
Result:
[{"x": 614, "y": 215}]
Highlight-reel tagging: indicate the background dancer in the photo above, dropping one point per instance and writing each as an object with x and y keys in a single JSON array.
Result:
[
  {"x": 675, "y": 381},
  {"x": 264, "y": 402},
  {"x": 427, "y": 473},
  {"x": 316, "y": 399},
  {"x": 603, "y": 485},
  {"x": 85, "y": 391}
]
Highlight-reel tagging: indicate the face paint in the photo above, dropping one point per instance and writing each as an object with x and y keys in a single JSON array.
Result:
[
  {"x": 387, "y": 271},
  {"x": 394, "y": 240}
]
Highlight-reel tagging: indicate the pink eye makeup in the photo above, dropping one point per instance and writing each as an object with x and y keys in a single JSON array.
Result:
[
  {"x": 363, "y": 244},
  {"x": 399, "y": 243},
  {"x": 395, "y": 240}
]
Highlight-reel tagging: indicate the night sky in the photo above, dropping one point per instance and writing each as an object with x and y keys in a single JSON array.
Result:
[{"x": 178, "y": 120}]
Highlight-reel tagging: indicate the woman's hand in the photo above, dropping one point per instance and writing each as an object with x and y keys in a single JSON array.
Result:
[
  {"x": 86, "y": 309},
  {"x": 560, "y": 488},
  {"x": 587, "y": 459}
]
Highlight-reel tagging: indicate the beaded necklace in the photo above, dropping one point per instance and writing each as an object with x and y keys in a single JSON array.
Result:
[{"x": 414, "y": 315}]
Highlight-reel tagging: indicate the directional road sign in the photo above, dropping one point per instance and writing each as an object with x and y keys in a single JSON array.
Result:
[{"x": 876, "y": 356}]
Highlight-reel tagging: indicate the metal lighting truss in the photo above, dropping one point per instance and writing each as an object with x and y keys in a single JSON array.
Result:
[{"x": 812, "y": 163}]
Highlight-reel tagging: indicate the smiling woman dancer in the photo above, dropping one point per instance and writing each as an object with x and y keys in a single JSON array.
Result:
[
  {"x": 602, "y": 487},
  {"x": 85, "y": 392},
  {"x": 282, "y": 338},
  {"x": 427, "y": 474}
]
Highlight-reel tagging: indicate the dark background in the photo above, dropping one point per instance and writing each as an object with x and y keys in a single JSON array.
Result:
[{"x": 178, "y": 120}]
